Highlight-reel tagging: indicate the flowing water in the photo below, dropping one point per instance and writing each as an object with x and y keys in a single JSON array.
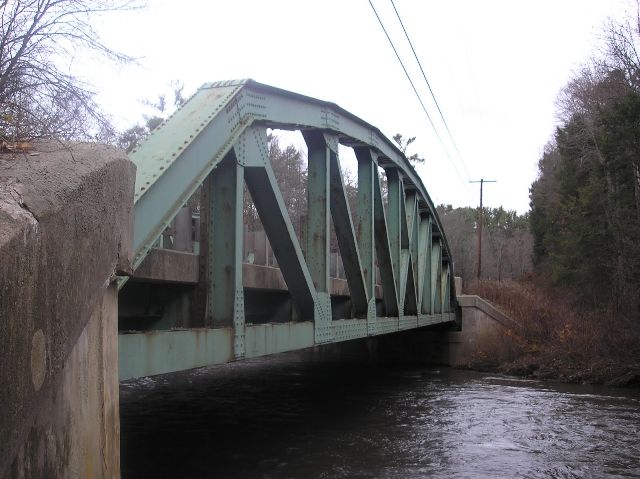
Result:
[{"x": 289, "y": 417}]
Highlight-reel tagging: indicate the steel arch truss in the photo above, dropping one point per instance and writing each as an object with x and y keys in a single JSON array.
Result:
[{"x": 218, "y": 140}]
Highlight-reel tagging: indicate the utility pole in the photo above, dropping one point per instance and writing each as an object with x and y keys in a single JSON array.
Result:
[{"x": 482, "y": 181}]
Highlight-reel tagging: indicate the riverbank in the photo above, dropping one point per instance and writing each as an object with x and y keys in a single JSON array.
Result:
[{"x": 556, "y": 340}]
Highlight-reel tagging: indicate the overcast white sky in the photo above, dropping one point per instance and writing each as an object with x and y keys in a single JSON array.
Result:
[{"x": 496, "y": 68}]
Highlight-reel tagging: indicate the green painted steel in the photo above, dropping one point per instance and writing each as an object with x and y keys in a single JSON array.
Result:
[
  {"x": 427, "y": 291},
  {"x": 383, "y": 252},
  {"x": 159, "y": 352},
  {"x": 423, "y": 249},
  {"x": 219, "y": 135},
  {"x": 225, "y": 298},
  {"x": 367, "y": 168},
  {"x": 263, "y": 187},
  {"x": 414, "y": 235},
  {"x": 409, "y": 217},
  {"x": 394, "y": 225},
  {"x": 201, "y": 132},
  {"x": 317, "y": 249},
  {"x": 346, "y": 236},
  {"x": 177, "y": 157},
  {"x": 436, "y": 277}
]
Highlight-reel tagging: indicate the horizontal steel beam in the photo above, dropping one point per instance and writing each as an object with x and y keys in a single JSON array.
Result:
[{"x": 160, "y": 352}]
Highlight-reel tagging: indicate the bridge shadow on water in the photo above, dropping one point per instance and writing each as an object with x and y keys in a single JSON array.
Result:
[{"x": 293, "y": 415}]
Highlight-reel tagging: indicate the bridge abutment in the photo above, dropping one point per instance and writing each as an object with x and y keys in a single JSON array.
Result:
[
  {"x": 483, "y": 332},
  {"x": 65, "y": 231}
]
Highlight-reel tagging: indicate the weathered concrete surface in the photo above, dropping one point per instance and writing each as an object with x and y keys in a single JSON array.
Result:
[
  {"x": 65, "y": 229},
  {"x": 77, "y": 433},
  {"x": 458, "y": 284},
  {"x": 169, "y": 266},
  {"x": 481, "y": 321}
]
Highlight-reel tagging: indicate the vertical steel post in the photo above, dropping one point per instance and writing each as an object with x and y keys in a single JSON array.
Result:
[
  {"x": 367, "y": 168},
  {"x": 427, "y": 290},
  {"x": 436, "y": 277},
  {"x": 225, "y": 298},
  {"x": 317, "y": 249},
  {"x": 423, "y": 232}
]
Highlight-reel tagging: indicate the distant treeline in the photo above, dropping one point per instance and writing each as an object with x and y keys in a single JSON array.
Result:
[
  {"x": 585, "y": 203},
  {"x": 506, "y": 242}
]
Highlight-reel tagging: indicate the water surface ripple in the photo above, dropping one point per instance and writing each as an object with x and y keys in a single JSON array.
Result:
[{"x": 287, "y": 417}]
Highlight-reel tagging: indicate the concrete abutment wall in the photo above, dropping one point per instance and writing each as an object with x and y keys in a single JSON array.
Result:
[
  {"x": 65, "y": 230},
  {"x": 483, "y": 330}
]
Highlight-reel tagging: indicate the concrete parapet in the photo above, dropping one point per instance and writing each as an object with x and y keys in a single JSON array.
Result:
[
  {"x": 65, "y": 230},
  {"x": 169, "y": 266},
  {"x": 458, "y": 284}
]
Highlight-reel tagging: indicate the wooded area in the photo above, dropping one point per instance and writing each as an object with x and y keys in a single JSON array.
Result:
[
  {"x": 578, "y": 314},
  {"x": 506, "y": 242},
  {"x": 585, "y": 203}
]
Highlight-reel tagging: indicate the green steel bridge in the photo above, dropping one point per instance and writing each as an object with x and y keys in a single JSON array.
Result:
[{"x": 208, "y": 305}]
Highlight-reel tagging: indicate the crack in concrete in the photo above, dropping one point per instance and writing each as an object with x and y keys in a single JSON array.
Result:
[{"x": 12, "y": 202}]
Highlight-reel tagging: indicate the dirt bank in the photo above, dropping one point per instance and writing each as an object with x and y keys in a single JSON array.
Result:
[{"x": 557, "y": 339}]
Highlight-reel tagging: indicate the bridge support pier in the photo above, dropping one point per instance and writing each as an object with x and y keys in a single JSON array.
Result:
[
  {"x": 65, "y": 231},
  {"x": 77, "y": 432}
]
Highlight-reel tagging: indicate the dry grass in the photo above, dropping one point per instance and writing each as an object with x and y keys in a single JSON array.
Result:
[{"x": 556, "y": 339}]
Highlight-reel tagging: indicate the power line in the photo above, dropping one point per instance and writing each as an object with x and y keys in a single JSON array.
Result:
[
  {"x": 417, "y": 94},
  {"x": 453, "y": 142}
]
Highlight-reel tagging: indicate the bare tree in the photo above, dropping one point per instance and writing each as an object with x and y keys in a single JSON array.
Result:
[
  {"x": 403, "y": 144},
  {"x": 39, "y": 97},
  {"x": 621, "y": 50}
]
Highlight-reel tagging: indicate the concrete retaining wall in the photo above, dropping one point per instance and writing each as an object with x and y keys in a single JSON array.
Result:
[
  {"x": 65, "y": 230},
  {"x": 481, "y": 323},
  {"x": 482, "y": 331}
]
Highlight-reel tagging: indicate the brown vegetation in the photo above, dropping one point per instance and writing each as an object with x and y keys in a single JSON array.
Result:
[{"x": 556, "y": 338}]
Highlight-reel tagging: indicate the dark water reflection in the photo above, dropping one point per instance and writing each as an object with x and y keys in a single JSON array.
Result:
[{"x": 287, "y": 417}]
